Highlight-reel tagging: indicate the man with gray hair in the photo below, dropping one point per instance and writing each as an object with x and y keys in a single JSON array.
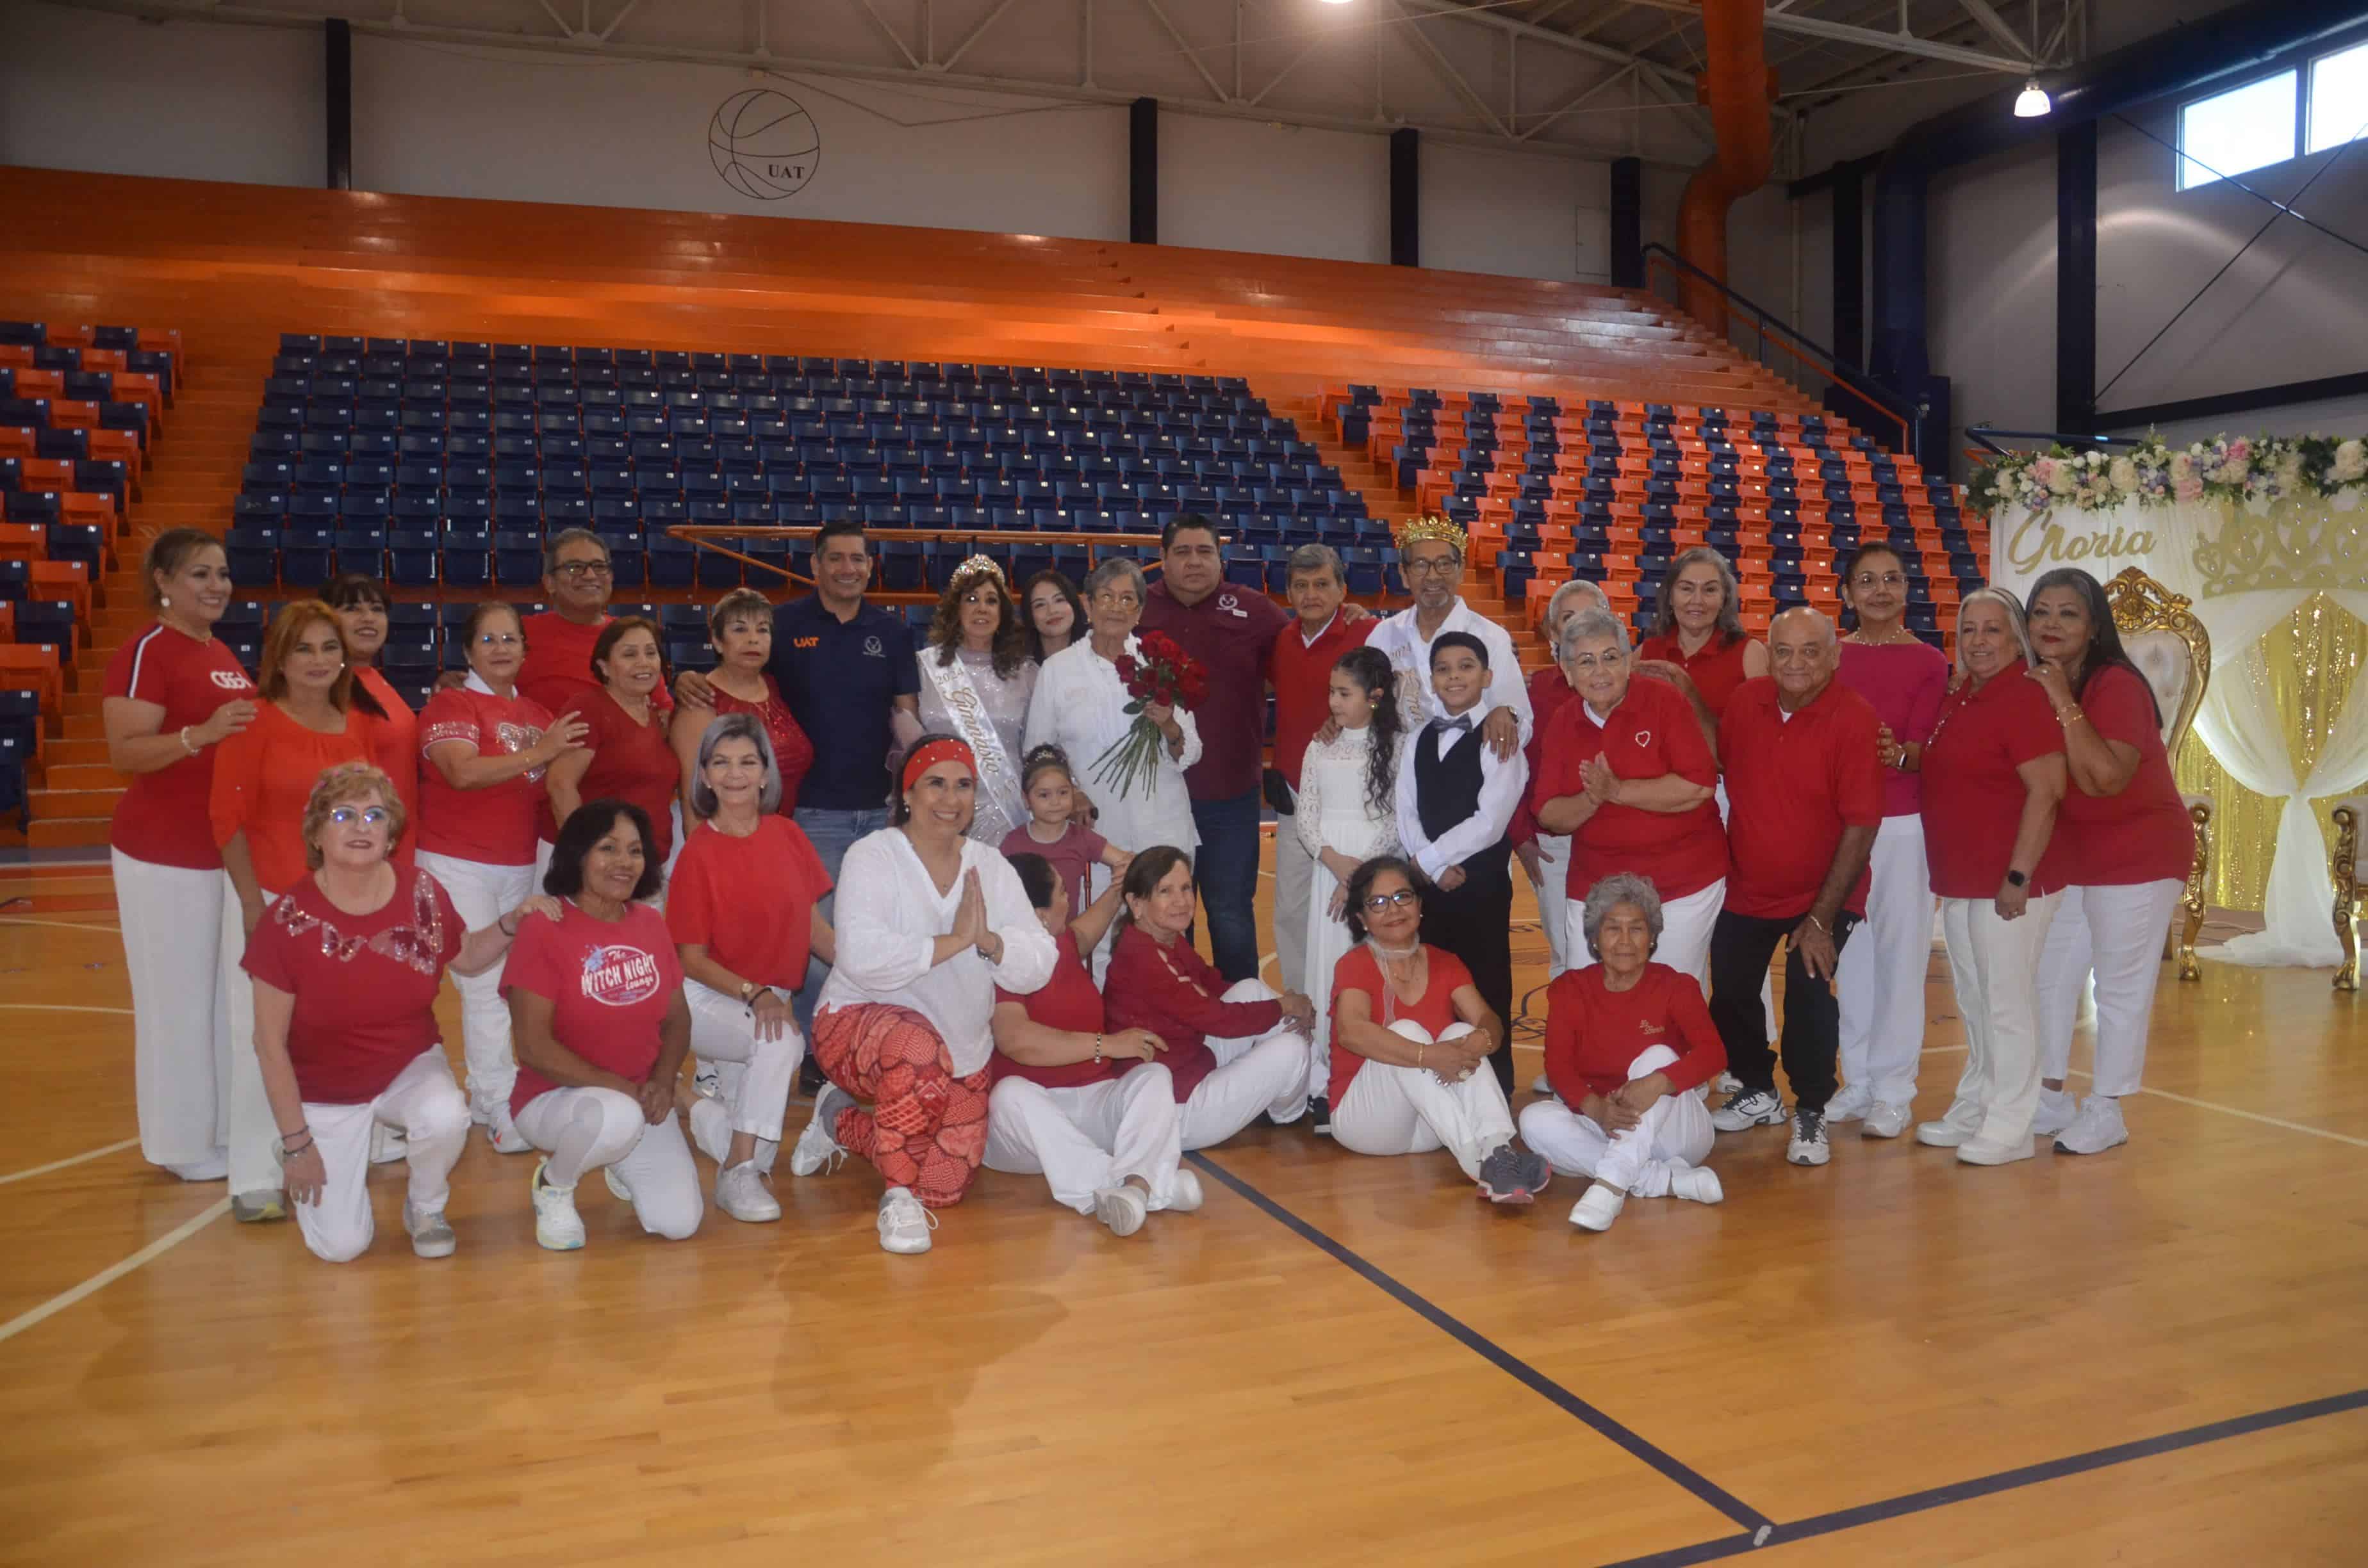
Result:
[
  {"x": 1299, "y": 667},
  {"x": 1805, "y": 796},
  {"x": 1431, "y": 558}
]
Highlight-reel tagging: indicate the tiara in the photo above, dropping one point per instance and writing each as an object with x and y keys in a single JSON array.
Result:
[
  {"x": 977, "y": 565},
  {"x": 1432, "y": 530}
]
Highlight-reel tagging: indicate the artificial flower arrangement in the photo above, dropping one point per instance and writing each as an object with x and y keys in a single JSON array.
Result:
[
  {"x": 1156, "y": 672},
  {"x": 2252, "y": 472}
]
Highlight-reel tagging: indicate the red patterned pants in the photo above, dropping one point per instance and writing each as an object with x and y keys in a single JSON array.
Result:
[{"x": 926, "y": 1128}]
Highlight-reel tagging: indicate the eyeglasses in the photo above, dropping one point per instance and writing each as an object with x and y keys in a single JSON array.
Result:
[
  {"x": 369, "y": 816},
  {"x": 1438, "y": 568},
  {"x": 1595, "y": 660},
  {"x": 1118, "y": 601},
  {"x": 1403, "y": 898},
  {"x": 498, "y": 638},
  {"x": 578, "y": 570}
]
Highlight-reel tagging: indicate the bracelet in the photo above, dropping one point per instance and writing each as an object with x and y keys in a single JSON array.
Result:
[
  {"x": 1417, "y": 1053},
  {"x": 185, "y": 741},
  {"x": 504, "y": 929},
  {"x": 1097, "y": 1051},
  {"x": 2068, "y": 717},
  {"x": 1820, "y": 925}
]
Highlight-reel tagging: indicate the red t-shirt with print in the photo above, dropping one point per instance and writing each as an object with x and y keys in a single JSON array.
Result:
[{"x": 609, "y": 983}]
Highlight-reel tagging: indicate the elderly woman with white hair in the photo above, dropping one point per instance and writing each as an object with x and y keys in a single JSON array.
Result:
[
  {"x": 745, "y": 911},
  {"x": 1994, "y": 779},
  {"x": 1546, "y": 856},
  {"x": 1629, "y": 1048},
  {"x": 1080, "y": 705}
]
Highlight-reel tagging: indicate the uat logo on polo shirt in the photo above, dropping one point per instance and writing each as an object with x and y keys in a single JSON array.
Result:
[{"x": 620, "y": 976}]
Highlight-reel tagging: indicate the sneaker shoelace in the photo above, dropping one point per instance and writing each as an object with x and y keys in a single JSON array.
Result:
[{"x": 1809, "y": 1125}]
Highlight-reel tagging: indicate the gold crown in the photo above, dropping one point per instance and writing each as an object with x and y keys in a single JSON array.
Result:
[
  {"x": 977, "y": 565},
  {"x": 1433, "y": 530}
]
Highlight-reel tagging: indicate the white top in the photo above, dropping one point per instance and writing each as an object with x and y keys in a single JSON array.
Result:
[
  {"x": 1409, "y": 654},
  {"x": 889, "y": 917},
  {"x": 1501, "y": 783},
  {"x": 1333, "y": 813},
  {"x": 1080, "y": 706}
]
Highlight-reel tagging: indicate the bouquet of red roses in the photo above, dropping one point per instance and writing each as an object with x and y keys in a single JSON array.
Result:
[{"x": 1156, "y": 672}]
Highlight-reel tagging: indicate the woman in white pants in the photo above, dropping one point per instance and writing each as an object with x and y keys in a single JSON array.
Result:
[
  {"x": 1881, "y": 982},
  {"x": 344, "y": 969},
  {"x": 2127, "y": 845},
  {"x": 486, "y": 747},
  {"x": 1546, "y": 856},
  {"x": 1088, "y": 1108},
  {"x": 745, "y": 910},
  {"x": 1629, "y": 1048},
  {"x": 173, "y": 695},
  {"x": 1993, "y": 781},
  {"x": 1232, "y": 1052},
  {"x": 595, "y": 996},
  {"x": 1411, "y": 1027}
]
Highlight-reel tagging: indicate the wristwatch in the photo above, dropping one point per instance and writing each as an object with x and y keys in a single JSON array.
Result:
[{"x": 2016, "y": 878}]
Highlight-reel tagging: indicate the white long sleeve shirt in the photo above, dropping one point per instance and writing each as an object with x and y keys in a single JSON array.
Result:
[
  {"x": 889, "y": 917},
  {"x": 1501, "y": 784},
  {"x": 1409, "y": 654},
  {"x": 1079, "y": 705}
]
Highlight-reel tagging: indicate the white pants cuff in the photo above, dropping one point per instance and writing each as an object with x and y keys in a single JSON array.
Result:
[
  {"x": 422, "y": 1103},
  {"x": 2116, "y": 934},
  {"x": 1093, "y": 1136},
  {"x": 1995, "y": 965}
]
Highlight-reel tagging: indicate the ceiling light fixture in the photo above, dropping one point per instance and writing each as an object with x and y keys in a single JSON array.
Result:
[{"x": 2032, "y": 101}]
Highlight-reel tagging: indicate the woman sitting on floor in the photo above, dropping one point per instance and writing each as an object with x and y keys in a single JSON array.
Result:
[
  {"x": 1410, "y": 1030},
  {"x": 1629, "y": 1047}
]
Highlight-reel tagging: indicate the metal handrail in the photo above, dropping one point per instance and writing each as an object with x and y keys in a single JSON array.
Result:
[
  {"x": 707, "y": 536},
  {"x": 1982, "y": 433},
  {"x": 1896, "y": 406}
]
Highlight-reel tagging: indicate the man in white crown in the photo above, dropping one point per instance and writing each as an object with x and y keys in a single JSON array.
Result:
[{"x": 1431, "y": 556}]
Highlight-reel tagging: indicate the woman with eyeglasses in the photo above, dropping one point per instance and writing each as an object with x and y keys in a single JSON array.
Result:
[
  {"x": 1881, "y": 983},
  {"x": 486, "y": 747},
  {"x": 1080, "y": 705},
  {"x": 1411, "y": 1039},
  {"x": 346, "y": 966},
  {"x": 361, "y": 604},
  {"x": 976, "y": 680}
]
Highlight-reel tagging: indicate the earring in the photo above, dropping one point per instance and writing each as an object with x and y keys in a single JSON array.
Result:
[{"x": 164, "y": 601}]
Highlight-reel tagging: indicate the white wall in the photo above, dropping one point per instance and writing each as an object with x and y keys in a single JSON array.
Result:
[
  {"x": 1283, "y": 191},
  {"x": 1526, "y": 216},
  {"x": 1991, "y": 281}
]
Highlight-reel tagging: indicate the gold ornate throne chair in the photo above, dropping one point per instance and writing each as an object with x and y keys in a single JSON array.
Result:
[
  {"x": 2170, "y": 645},
  {"x": 2351, "y": 819}
]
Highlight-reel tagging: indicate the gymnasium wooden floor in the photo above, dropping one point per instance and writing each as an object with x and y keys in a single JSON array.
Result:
[{"x": 2153, "y": 1357}]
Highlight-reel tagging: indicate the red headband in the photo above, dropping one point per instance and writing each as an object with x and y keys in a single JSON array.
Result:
[{"x": 927, "y": 756}]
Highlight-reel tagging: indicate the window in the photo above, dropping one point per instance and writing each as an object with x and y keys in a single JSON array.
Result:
[
  {"x": 2246, "y": 127},
  {"x": 2338, "y": 98}
]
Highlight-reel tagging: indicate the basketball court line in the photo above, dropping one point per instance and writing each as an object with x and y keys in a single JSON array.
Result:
[
  {"x": 69, "y": 1160},
  {"x": 108, "y": 1276},
  {"x": 1520, "y": 1371},
  {"x": 58, "y": 1007},
  {"x": 2002, "y": 1481},
  {"x": 61, "y": 925}
]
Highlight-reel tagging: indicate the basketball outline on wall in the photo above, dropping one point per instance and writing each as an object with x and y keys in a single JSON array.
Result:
[{"x": 764, "y": 144}]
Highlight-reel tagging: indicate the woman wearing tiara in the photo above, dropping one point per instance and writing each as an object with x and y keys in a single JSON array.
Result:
[{"x": 976, "y": 680}]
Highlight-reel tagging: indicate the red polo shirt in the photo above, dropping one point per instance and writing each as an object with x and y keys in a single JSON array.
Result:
[
  {"x": 557, "y": 669},
  {"x": 1652, "y": 733},
  {"x": 1230, "y": 632},
  {"x": 1973, "y": 794},
  {"x": 1715, "y": 667},
  {"x": 2142, "y": 835},
  {"x": 1793, "y": 783},
  {"x": 1302, "y": 673}
]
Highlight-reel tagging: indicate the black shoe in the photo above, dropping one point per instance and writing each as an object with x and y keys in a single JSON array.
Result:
[
  {"x": 809, "y": 1078},
  {"x": 1320, "y": 1109}
]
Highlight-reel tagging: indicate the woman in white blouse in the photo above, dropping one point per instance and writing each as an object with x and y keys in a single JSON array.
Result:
[
  {"x": 929, "y": 923},
  {"x": 1080, "y": 706}
]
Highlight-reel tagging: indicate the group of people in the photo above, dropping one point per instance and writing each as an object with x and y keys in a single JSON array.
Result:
[{"x": 907, "y": 873}]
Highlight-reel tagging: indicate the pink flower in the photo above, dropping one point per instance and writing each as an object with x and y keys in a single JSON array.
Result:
[{"x": 2189, "y": 489}]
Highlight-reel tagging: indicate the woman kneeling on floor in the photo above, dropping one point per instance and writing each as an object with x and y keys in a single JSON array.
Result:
[
  {"x": 597, "y": 1013},
  {"x": 1629, "y": 1047},
  {"x": 1409, "y": 1029},
  {"x": 1092, "y": 1110},
  {"x": 346, "y": 967}
]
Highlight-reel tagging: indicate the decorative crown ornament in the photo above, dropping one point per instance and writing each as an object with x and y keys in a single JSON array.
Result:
[
  {"x": 976, "y": 565},
  {"x": 1433, "y": 530}
]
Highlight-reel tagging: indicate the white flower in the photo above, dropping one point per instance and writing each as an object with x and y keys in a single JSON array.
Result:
[
  {"x": 2124, "y": 474},
  {"x": 2350, "y": 461},
  {"x": 2182, "y": 464},
  {"x": 2061, "y": 480}
]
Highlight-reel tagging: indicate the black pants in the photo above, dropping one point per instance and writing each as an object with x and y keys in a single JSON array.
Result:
[
  {"x": 1740, "y": 948},
  {"x": 1475, "y": 923}
]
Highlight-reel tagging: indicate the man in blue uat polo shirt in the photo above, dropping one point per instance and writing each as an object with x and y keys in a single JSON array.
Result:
[{"x": 844, "y": 667}]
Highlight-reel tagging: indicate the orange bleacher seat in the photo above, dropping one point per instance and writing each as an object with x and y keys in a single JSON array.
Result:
[
  {"x": 40, "y": 384},
  {"x": 73, "y": 414},
  {"x": 17, "y": 441},
  {"x": 62, "y": 580},
  {"x": 23, "y": 541},
  {"x": 33, "y": 667},
  {"x": 117, "y": 445},
  {"x": 45, "y": 473},
  {"x": 17, "y": 355},
  {"x": 104, "y": 360}
]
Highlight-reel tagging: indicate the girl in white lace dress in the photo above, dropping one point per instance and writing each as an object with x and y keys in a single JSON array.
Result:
[{"x": 1347, "y": 814}]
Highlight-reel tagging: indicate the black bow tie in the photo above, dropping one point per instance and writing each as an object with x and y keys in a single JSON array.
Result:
[{"x": 1464, "y": 724}]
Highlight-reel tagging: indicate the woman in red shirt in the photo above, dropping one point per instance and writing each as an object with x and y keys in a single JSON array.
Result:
[
  {"x": 485, "y": 749},
  {"x": 1629, "y": 1048},
  {"x": 1233, "y": 1051},
  {"x": 1410, "y": 1029},
  {"x": 1696, "y": 639},
  {"x": 1626, "y": 772},
  {"x": 626, "y": 755},
  {"x": 742, "y": 627},
  {"x": 361, "y": 604},
  {"x": 311, "y": 718},
  {"x": 2128, "y": 845},
  {"x": 1546, "y": 856},
  {"x": 596, "y": 1008},
  {"x": 1091, "y": 1110},
  {"x": 746, "y": 908},
  {"x": 1993, "y": 782},
  {"x": 173, "y": 695},
  {"x": 346, "y": 969}
]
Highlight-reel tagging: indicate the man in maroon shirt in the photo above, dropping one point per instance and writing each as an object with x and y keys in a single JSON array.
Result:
[
  {"x": 1300, "y": 669},
  {"x": 1805, "y": 796}
]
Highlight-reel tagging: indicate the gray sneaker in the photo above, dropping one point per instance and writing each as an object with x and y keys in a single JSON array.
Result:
[
  {"x": 1513, "y": 1174},
  {"x": 817, "y": 1149},
  {"x": 431, "y": 1235},
  {"x": 1750, "y": 1107}
]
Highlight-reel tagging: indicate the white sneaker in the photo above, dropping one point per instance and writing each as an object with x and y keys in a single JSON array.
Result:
[
  {"x": 1697, "y": 1184},
  {"x": 905, "y": 1225},
  {"x": 1727, "y": 1084},
  {"x": 504, "y": 1135},
  {"x": 817, "y": 1150},
  {"x": 1883, "y": 1119},
  {"x": 1982, "y": 1152},
  {"x": 2098, "y": 1127},
  {"x": 1758, "y": 1108},
  {"x": 1121, "y": 1208},
  {"x": 431, "y": 1235},
  {"x": 740, "y": 1192},
  {"x": 1541, "y": 1084},
  {"x": 704, "y": 1080},
  {"x": 1955, "y": 1127},
  {"x": 388, "y": 1145},
  {"x": 215, "y": 1166},
  {"x": 556, "y": 1224},
  {"x": 1849, "y": 1104},
  {"x": 1183, "y": 1193},
  {"x": 616, "y": 1185},
  {"x": 1597, "y": 1207},
  {"x": 1808, "y": 1145},
  {"x": 2056, "y": 1111}
]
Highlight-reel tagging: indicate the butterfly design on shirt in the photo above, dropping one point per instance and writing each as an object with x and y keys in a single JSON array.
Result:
[{"x": 516, "y": 738}]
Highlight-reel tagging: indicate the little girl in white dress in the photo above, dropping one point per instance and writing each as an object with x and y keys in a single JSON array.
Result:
[{"x": 1347, "y": 814}]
